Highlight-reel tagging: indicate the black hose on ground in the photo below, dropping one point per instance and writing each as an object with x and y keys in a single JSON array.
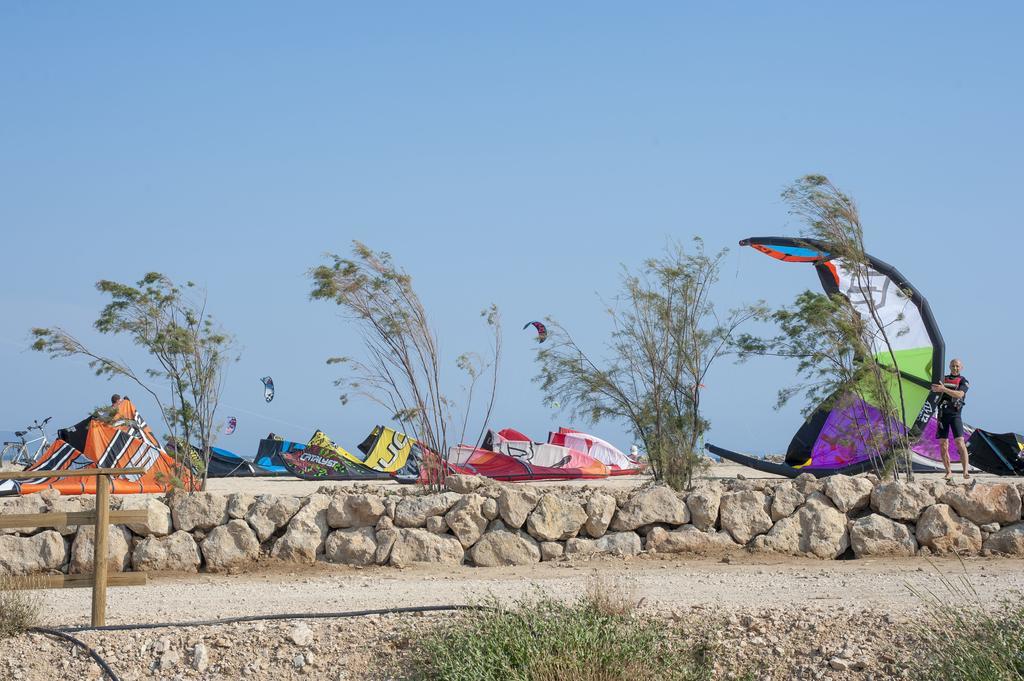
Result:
[
  {"x": 60, "y": 634},
  {"x": 265, "y": 618}
]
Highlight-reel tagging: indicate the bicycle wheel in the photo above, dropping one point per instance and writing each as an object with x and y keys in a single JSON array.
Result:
[{"x": 14, "y": 454}]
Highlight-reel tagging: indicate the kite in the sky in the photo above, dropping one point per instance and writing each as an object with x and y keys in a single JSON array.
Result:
[
  {"x": 268, "y": 388},
  {"x": 542, "y": 331},
  {"x": 232, "y": 424}
]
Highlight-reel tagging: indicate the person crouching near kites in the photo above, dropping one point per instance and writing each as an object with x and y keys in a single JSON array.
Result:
[{"x": 953, "y": 390}]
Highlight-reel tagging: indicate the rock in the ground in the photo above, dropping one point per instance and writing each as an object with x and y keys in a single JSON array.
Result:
[
  {"x": 466, "y": 519},
  {"x": 600, "y": 509},
  {"x": 551, "y": 550},
  {"x": 437, "y": 524},
  {"x": 490, "y": 508},
  {"x": 300, "y": 634},
  {"x": 462, "y": 484},
  {"x": 271, "y": 512},
  {"x": 876, "y": 535},
  {"x": 555, "y": 518},
  {"x": 419, "y": 546},
  {"x": 71, "y": 504},
  {"x": 413, "y": 511},
  {"x": 177, "y": 552},
  {"x": 807, "y": 484},
  {"x": 239, "y": 504},
  {"x": 817, "y": 529},
  {"x": 200, "y": 511},
  {"x": 688, "y": 539},
  {"x": 118, "y": 557},
  {"x": 29, "y": 555},
  {"x": 703, "y": 504},
  {"x": 614, "y": 543},
  {"x": 785, "y": 501},
  {"x": 230, "y": 547},
  {"x": 200, "y": 657},
  {"x": 515, "y": 504},
  {"x": 847, "y": 493},
  {"x": 942, "y": 530},
  {"x": 1009, "y": 540},
  {"x": 30, "y": 503},
  {"x": 306, "y": 533},
  {"x": 983, "y": 504},
  {"x": 505, "y": 547},
  {"x": 744, "y": 515},
  {"x": 657, "y": 504},
  {"x": 158, "y": 516},
  {"x": 355, "y": 546},
  {"x": 386, "y": 537},
  {"x": 355, "y": 510},
  {"x": 901, "y": 500}
]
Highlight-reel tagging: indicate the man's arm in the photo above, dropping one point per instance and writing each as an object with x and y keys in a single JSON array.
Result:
[{"x": 955, "y": 394}]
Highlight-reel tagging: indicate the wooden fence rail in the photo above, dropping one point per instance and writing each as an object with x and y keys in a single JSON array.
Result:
[{"x": 100, "y": 517}]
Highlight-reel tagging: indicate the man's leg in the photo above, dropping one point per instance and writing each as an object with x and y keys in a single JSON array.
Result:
[
  {"x": 944, "y": 450},
  {"x": 962, "y": 448}
]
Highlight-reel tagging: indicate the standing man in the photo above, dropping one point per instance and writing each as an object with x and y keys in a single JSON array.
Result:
[{"x": 953, "y": 390}]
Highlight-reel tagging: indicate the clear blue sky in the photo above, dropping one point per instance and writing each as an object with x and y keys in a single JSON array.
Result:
[{"x": 514, "y": 155}]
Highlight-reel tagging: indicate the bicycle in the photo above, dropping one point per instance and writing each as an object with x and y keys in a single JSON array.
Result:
[{"x": 17, "y": 453}]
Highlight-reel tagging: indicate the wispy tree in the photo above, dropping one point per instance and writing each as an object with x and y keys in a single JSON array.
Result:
[
  {"x": 401, "y": 367},
  {"x": 189, "y": 349},
  {"x": 666, "y": 335}
]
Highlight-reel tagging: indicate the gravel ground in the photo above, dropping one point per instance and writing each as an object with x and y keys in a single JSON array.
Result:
[{"x": 789, "y": 618}]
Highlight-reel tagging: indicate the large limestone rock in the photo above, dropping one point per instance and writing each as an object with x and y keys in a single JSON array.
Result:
[
  {"x": 614, "y": 544},
  {"x": 817, "y": 529},
  {"x": 306, "y": 533},
  {"x": 703, "y": 504},
  {"x": 117, "y": 549},
  {"x": 600, "y": 509},
  {"x": 355, "y": 546},
  {"x": 983, "y": 504},
  {"x": 658, "y": 504},
  {"x": 785, "y": 501},
  {"x": 807, "y": 484},
  {"x": 463, "y": 484},
  {"x": 420, "y": 546},
  {"x": 466, "y": 519},
  {"x": 744, "y": 515},
  {"x": 201, "y": 511},
  {"x": 177, "y": 552},
  {"x": 876, "y": 535},
  {"x": 943, "y": 531},
  {"x": 689, "y": 539},
  {"x": 231, "y": 547},
  {"x": 59, "y": 504},
  {"x": 901, "y": 500},
  {"x": 30, "y": 503},
  {"x": 386, "y": 536},
  {"x": 158, "y": 516},
  {"x": 414, "y": 511},
  {"x": 355, "y": 510},
  {"x": 1009, "y": 540},
  {"x": 515, "y": 504},
  {"x": 29, "y": 555},
  {"x": 505, "y": 547},
  {"x": 555, "y": 518},
  {"x": 551, "y": 550},
  {"x": 848, "y": 494},
  {"x": 271, "y": 512},
  {"x": 239, "y": 505}
]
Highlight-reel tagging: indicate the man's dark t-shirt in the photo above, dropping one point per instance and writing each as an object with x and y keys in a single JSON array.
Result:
[{"x": 949, "y": 405}]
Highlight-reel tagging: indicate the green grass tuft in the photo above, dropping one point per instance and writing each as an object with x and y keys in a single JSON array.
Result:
[{"x": 20, "y": 610}]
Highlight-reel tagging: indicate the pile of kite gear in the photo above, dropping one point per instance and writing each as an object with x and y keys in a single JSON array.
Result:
[
  {"x": 122, "y": 441},
  {"x": 834, "y": 438}
]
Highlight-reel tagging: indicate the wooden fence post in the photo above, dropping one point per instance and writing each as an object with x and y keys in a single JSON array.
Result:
[{"x": 99, "y": 560}]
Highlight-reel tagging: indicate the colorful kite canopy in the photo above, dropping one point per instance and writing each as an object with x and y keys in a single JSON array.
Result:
[
  {"x": 542, "y": 331},
  {"x": 232, "y": 424},
  {"x": 833, "y": 438},
  {"x": 268, "y": 388}
]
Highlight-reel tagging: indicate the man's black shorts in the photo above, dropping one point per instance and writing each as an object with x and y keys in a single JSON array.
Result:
[{"x": 947, "y": 421}]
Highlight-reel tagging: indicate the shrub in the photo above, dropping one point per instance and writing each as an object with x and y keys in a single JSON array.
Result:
[
  {"x": 20, "y": 609},
  {"x": 547, "y": 640}
]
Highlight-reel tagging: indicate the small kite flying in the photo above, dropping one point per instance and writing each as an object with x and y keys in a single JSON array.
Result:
[
  {"x": 268, "y": 388},
  {"x": 542, "y": 331},
  {"x": 232, "y": 424}
]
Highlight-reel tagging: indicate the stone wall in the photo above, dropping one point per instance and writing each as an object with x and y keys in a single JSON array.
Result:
[{"x": 480, "y": 522}]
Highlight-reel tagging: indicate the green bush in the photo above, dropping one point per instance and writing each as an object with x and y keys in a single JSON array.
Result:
[{"x": 546, "y": 640}]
